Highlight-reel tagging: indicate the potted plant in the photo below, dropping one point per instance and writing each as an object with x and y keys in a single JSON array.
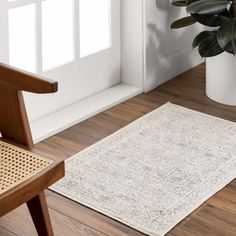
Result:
[{"x": 217, "y": 43}]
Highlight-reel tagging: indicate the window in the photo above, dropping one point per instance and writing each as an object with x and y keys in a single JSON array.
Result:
[
  {"x": 41, "y": 34},
  {"x": 45, "y": 34},
  {"x": 22, "y": 38},
  {"x": 57, "y": 33},
  {"x": 95, "y": 26}
]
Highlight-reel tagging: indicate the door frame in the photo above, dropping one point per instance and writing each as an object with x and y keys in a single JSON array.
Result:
[{"x": 133, "y": 31}]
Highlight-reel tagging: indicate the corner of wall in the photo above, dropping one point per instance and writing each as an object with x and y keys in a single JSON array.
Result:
[
  {"x": 168, "y": 67},
  {"x": 168, "y": 52}
]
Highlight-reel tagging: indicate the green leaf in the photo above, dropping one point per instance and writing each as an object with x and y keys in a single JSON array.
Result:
[
  {"x": 226, "y": 34},
  {"x": 201, "y": 37},
  {"x": 191, "y": 1},
  {"x": 207, "y": 6},
  {"x": 181, "y": 3},
  {"x": 207, "y": 20},
  {"x": 183, "y": 22},
  {"x": 208, "y": 44}
]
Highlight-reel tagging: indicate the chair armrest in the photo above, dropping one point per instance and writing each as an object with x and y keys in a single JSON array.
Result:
[{"x": 25, "y": 81}]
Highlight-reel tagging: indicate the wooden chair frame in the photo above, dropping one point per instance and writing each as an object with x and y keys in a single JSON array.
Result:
[{"x": 15, "y": 129}]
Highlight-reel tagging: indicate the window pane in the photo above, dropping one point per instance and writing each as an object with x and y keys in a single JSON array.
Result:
[
  {"x": 22, "y": 38},
  {"x": 57, "y": 33},
  {"x": 95, "y": 26}
]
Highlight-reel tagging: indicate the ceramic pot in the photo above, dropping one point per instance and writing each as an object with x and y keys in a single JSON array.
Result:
[{"x": 221, "y": 78}]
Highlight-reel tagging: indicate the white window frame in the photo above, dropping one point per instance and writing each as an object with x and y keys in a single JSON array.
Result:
[{"x": 38, "y": 33}]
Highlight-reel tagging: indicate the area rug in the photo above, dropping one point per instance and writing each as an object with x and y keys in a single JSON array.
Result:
[{"x": 154, "y": 172}]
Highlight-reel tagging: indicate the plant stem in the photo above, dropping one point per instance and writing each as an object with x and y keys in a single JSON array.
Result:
[{"x": 234, "y": 7}]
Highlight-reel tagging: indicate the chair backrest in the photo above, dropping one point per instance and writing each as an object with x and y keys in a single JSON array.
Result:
[{"x": 14, "y": 123}]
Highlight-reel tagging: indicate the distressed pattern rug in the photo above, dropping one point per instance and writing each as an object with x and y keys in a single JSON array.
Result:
[{"x": 154, "y": 172}]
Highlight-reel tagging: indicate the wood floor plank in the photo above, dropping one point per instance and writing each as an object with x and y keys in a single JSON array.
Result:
[
  {"x": 200, "y": 227},
  {"x": 215, "y": 217},
  {"x": 179, "y": 232},
  {"x": 225, "y": 200},
  {"x": 63, "y": 225}
]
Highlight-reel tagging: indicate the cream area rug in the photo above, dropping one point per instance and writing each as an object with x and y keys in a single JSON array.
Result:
[{"x": 154, "y": 172}]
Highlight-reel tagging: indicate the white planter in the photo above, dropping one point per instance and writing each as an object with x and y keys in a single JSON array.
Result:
[{"x": 221, "y": 78}]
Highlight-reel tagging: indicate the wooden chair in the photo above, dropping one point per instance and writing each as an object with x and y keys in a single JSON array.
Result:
[{"x": 24, "y": 172}]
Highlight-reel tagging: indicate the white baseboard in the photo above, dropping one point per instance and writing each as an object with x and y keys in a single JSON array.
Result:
[
  {"x": 80, "y": 111},
  {"x": 170, "y": 66}
]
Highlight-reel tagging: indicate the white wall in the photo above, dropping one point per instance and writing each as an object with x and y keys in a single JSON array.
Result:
[{"x": 168, "y": 52}]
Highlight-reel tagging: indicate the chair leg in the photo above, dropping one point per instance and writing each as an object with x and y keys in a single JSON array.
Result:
[{"x": 39, "y": 212}]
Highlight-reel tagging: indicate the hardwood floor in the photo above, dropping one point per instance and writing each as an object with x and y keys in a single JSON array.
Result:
[{"x": 217, "y": 216}]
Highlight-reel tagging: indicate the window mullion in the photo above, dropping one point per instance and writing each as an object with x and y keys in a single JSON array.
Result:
[{"x": 39, "y": 36}]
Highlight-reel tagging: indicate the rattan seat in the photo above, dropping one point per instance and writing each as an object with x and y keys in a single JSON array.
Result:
[{"x": 17, "y": 165}]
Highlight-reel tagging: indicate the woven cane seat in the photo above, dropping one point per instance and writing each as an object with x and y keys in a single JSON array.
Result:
[{"x": 18, "y": 165}]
